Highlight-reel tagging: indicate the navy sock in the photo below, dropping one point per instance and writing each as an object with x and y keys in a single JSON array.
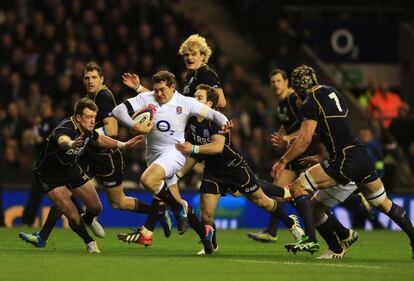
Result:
[
  {"x": 53, "y": 216},
  {"x": 152, "y": 218},
  {"x": 166, "y": 195},
  {"x": 399, "y": 216},
  {"x": 280, "y": 213},
  {"x": 341, "y": 231},
  {"x": 80, "y": 230},
  {"x": 195, "y": 223},
  {"x": 326, "y": 230},
  {"x": 306, "y": 213}
]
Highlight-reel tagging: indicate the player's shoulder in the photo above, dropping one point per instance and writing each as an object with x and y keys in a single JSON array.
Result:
[
  {"x": 146, "y": 96},
  {"x": 68, "y": 123},
  {"x": 104, "y": 92},
  {"x": 65, "y": 126},
  {"x": 184, "y": 99},
  {"x": 324, "y": 90},
  {"x": 206, "y": 71},
  {"x": 293, "y": 98}
]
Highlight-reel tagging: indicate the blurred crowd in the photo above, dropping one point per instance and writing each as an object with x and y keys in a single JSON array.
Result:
[
  {"x": 45, "y": 45},
  {"x": 393, "y": 120}
]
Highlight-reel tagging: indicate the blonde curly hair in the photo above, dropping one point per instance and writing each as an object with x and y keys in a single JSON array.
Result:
[{"x": 196, "y": 41}]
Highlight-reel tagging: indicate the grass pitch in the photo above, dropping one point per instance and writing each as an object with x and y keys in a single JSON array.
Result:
[{"x": 378, "y": 255}]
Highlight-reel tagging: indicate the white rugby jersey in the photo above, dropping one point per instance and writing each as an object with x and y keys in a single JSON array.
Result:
[{"x": 170, "y": 119}]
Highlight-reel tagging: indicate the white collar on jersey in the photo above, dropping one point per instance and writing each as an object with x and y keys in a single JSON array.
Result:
[{"x": 174, "y": 100}]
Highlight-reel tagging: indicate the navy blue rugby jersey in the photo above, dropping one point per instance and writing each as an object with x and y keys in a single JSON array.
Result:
[
  {"x": 199, "y": 133},
  {"x": 52, "y": 158},
  {"x": 105, "y": 101},
  {"x": 329, "y": 108},
  {"x": 203, "y": 75},
  {"x": 288, "y": 113}
]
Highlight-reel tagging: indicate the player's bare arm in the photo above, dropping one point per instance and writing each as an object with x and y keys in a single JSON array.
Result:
[
  {"x": 214, "y": 147},
  {"x": 132, "y": 81},
  {"x": 222, "y": 99},
  {"x": 111, "y": 127},
  {"x": 65, "y": 142},
  {"x": 107, "y": 142},
  {"x": 299, "y": 146}
]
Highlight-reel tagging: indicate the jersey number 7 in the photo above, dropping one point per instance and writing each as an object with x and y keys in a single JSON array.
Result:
[{"x": 335, "y": 98}]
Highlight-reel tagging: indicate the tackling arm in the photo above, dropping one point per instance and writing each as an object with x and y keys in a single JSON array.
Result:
[
  {"x": 301, "y": 142},
  {"x": 110, "y": 127},
  {"x": 66, "y": 143},
  {"x": 214, "y": 147}
]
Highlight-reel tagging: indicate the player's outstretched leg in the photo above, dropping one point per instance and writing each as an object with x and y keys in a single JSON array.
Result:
[{"x": 377, "y": 197}]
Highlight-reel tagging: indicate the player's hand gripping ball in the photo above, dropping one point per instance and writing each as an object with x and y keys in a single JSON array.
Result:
[{"x": 143, "y": 119}]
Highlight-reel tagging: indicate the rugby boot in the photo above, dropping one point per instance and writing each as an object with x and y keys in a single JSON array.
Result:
[
  {"x": 95, "y": 226},
  {"x": 296, "y": 230},
  {"x": 303, "y": 245},
  {"x": 33, "y": 239},
  {"x": 181, "y": 218},
  {"x": 263, "y": 236},
  {"x": 329, "y": 255},
  {"x": 348, "y": 242},
  {"x": 135, "y": 237},
  {"x": 92, "y": 247}
]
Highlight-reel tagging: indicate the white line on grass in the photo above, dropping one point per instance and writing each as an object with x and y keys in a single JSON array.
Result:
[{"x": 311, "y": 264}]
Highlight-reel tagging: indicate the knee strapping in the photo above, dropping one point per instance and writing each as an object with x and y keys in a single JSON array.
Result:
[
  {"x": 376, "y": 198},
  {"x": 308, "y": 182}
]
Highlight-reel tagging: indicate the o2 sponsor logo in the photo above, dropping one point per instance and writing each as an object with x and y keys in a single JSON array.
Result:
[{"x": 164, "y": 126}]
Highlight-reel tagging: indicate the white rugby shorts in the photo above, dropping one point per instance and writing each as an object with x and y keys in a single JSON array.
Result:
[
  {"x": 331, "y": 197},
  {"x": 170, "y": 160}
]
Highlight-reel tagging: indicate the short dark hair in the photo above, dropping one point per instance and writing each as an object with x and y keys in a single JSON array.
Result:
[
  {"x": 84, "y": 103},
  {"x": 278, "y": 71},
  {"x": 91, "y": 66},
  {"x": 164, "y": 76},
  {"x": 211, "y": 96}
]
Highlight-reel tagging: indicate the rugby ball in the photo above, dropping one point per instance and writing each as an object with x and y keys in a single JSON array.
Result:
[{"x": 144, "y": 115}]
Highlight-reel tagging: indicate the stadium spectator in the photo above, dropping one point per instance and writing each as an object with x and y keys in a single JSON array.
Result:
[
  {"x": 374, "y": 148},
  {"x": 45, "y": 123},
  {"x": 384, "y": 104},
  {"x": 401, "y": 127}
]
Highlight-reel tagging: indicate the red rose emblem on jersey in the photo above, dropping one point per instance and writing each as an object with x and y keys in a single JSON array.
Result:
[{"x": 179, "y": 110}]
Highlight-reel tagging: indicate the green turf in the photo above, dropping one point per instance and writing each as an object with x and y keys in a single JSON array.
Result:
[{"x": 378, "y": 255}]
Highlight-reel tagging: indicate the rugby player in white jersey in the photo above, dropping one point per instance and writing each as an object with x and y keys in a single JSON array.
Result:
[{"x": 163, "y": 159}]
